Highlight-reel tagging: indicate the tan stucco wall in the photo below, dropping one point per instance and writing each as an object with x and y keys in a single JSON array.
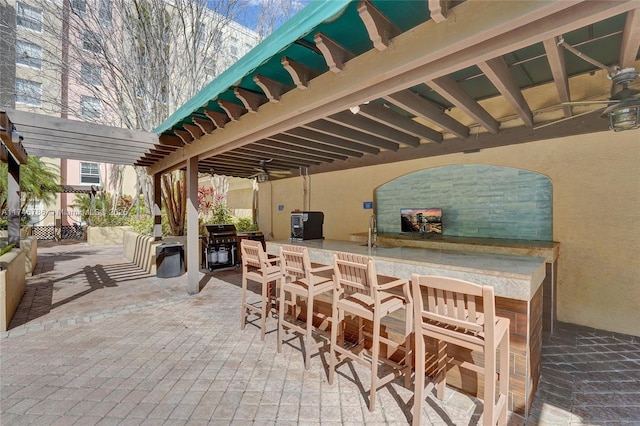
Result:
[
  {"x": 12, "y": 285},
  {"x": 596, "y": 200},
  {"x": 105, "y": 235}
]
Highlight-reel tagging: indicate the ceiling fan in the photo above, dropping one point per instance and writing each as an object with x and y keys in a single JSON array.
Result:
[
  {"x": 622, "y": 109},
  {"x": 265, "y": 174}
]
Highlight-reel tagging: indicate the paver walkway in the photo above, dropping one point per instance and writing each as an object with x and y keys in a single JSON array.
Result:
[{"x": 97, "y": 341}]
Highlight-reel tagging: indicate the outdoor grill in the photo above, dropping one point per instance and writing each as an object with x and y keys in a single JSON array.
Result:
[{"x": 222, "y": 246}]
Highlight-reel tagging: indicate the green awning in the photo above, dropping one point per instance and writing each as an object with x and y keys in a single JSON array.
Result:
[{"x": 297, "y": 27}]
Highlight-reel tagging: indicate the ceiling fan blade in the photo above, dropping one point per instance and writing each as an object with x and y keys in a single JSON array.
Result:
[{"x": 566, "y": 118}]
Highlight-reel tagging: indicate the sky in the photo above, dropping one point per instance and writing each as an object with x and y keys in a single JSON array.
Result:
[{"x": 251, "y": 10}]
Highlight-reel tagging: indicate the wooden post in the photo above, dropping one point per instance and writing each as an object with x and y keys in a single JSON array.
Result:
[
  {"x": 193, "y": 251},
  {"x": 157, "y": 207},
  {"x": 13, "y": 201}
]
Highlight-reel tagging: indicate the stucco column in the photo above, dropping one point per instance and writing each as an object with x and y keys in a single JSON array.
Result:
[
  {"x": 13, "y": 201},
  {"x": 193, "y": 249},
  {"x": 157, "y": 207}
]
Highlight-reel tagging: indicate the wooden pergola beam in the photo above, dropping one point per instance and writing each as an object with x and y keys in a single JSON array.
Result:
[
  {"x": 335, "y": 55},
  {"x": 498, "y": 73},
  {"x": 630, "y": 39},
  {"x": 233, "y": 110},
  {"x": 399, "y": 122},
  {"x": 312, "y": 144},
  {"x": 195, "y": 130},
  {"x": 448, "y": 88},
  {"x": 272, "y": 88},
  {"x": 380, "y": 28},
  {"x": 300, "y": 73},
  {"x": 555, "y": 56},
  {"x": 218, "y": 118},
  {"x": 184, "y": 135},
  {"x": 418, "y": 106},
  {"x": 438, "y": 9},
  {"x": 348, "y": 133},
  {"x": 205, "y": 124},
  {"x": 251, "y": 100},
  {"x": 374, "y": 128}
]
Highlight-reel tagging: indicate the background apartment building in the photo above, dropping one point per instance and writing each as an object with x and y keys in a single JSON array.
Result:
[{"x": 87, "y": 60}]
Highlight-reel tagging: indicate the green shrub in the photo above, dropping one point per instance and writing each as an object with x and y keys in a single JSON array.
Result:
[
  {"x": 7, "y": 249},
  {"x": 245, "y": 224}
]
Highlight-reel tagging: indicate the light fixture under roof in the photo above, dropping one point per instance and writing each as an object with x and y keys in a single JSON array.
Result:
[{"x": 623, "y": 116}]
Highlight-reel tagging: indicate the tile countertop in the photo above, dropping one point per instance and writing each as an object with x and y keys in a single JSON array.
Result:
[{"x": 513, "y": 277}]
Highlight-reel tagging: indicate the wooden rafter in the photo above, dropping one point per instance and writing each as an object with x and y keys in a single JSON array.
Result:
[
  {"x": 251, "y": 100},
  {"x": 630, "y": 39},
  {"x": 438, "y": 9},
  {"x": 423, "y": 108},
  {"x": 303, "y": 146},
  {"x": 218, "y": 118},
  {"x": 184, "y": 135},
  {"x": 287, "y": 150},
  {"x": 498, "y": 73},
  {"x": 366, "y": 125},
  {"x": 170, "y": 140},
  {"x": 341, "y": 131},
  {"x": 555, "y": 56},
  {"x": 272, "y": 88},
  {"x": 283, "y": 155},
  {"x": 381, "y": 30},
  {"x": 233, "y": 110},
  {"x": 195, "y": 130},
  {"x": 205, "y": 124},
  {"x": 318, "y": 135},
  {"x": 335, "y": 55},
  {"x": 300, "y": 73},
  {"x": 448, "y": 88},
  {"x": 312, "y": 144},
  {"x": 399, "y": 122}
]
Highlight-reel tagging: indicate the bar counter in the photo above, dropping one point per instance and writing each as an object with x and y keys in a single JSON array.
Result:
[{"x": 517, "y": 281}]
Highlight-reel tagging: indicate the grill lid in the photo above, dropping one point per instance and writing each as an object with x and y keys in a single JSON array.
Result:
[{"x": 222, "y": 229}]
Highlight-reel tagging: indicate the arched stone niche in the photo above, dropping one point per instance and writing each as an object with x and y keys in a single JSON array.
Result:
[{"x": 477, "y": 201}]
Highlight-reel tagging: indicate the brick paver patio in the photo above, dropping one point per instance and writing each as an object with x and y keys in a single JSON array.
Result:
[{"x": 97, "y": 341}]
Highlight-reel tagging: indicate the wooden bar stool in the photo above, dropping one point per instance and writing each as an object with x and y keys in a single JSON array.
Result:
[
  {"x": 256, "y": 266},
  {"x": 300, "y": 280},
  {"x": 460, "y": 313},
  {"x": 360, "y": 292}
]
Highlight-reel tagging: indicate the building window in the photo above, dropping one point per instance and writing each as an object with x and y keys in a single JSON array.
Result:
[
  {"x": 92, "y": 42},
  {"x": 201, "y": 33},
  {"x": 91, "y": 74},
  {"x": 90, "y": 108},
  {"x": 106, "y": 14},
  {"x": 89, "y": 173},
  {"x": 79, "y": 7},
  {"x": 28, "y": 92},
  {"x": 28, "y": 17},
  {"x": 216, "y": 37},
  {"x": 28, "y": 54}
]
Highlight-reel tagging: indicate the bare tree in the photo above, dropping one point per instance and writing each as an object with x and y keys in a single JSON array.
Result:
[
  {"x": 273, "y": 13},
  {"x": 131, "y": 63}
]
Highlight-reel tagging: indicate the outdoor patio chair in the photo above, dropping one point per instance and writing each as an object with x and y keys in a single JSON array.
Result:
[
  {"x": 460, "y": 313},
  {"x": 360, "y": 292},
  {"x": 300, "y": 281},
  {"x": 258, "y": 267}
]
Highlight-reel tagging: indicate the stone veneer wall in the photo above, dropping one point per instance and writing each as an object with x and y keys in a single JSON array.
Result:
[{"x": 477, "y": 201}]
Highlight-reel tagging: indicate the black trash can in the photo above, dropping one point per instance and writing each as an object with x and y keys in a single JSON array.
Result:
[{"x": 169, "y": 260}]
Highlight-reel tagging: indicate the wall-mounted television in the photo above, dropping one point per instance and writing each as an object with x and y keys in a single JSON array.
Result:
[{"x": 424, "y": 221}]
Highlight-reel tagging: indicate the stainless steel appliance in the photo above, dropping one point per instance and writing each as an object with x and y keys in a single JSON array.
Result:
[
  {"x": 306, "y": 225},
  {"x": 222, "y": 246}
]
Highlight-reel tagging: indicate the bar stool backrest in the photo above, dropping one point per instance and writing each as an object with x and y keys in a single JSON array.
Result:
[
  {"x": 355, "y": 273},
  {"x": 295, "y": 262},
  {"x": 253, "y": 254},
  {"x": 449, "y": 307}
]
